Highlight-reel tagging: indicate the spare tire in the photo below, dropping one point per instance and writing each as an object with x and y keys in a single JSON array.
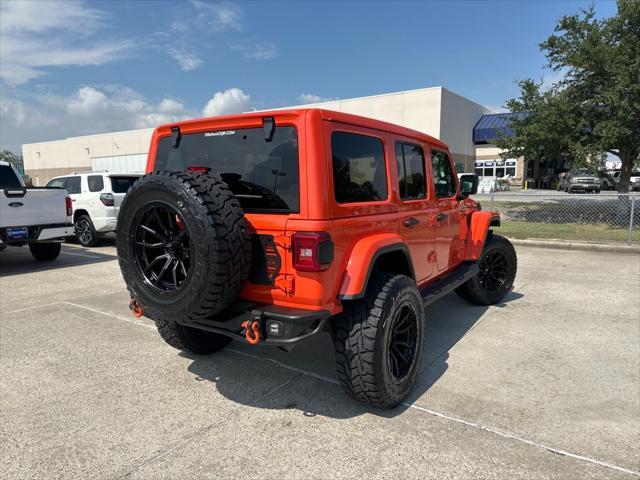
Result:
[{"x": 184, "y": 245}]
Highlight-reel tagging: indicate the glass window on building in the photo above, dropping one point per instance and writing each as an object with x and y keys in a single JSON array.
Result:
[{"x": 496, "y": 168}]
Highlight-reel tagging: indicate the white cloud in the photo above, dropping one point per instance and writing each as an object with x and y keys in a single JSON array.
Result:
[
  {"x": 232, "y": 100},
  {"x": 88, "y": 110},
  {"x": 35, "y": 35},
  {"x": 100, "y": 109},
  {"x": 219, "y": 15},
  {"x": 258, "y": 51},
  {"x": 37, "y": 16},
  {"x": 312, "y": 98},
  {"x": 187, "y": 61}
]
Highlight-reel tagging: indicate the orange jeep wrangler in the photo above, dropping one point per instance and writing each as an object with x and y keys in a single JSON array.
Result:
[{"x": 270, "y": 228}]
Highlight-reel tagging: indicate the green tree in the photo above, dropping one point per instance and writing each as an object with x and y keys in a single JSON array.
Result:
[
  {"x": 12, "y": 158},
  {"x": 595, "y": 108}
]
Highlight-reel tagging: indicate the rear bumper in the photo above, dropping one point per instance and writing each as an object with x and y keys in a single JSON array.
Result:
[
  {"x": 279, "y": 326},
  {"x": 40, "y": 233},
  {"x": 105, "y": 224}
]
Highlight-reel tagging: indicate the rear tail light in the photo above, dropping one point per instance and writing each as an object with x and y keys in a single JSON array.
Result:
[
  {"x": 312, "y": 251},
  {"x": 67, "y": 202},
  {"x": 107, "y": 199}
]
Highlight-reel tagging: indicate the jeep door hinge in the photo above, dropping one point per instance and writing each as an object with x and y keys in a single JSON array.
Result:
[
  {"x": 284, "y": 241},
  {"x": 286, "y": 283}
]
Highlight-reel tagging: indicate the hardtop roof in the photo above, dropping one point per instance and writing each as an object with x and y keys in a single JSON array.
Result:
[{"x": 342, "y": 117}]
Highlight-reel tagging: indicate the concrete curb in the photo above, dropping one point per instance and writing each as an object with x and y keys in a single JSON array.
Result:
[{"x": 592, "y": 247}]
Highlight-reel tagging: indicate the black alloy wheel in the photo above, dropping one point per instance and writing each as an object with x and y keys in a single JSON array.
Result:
[
  {"x": 402, "y": 343},
  {"x": 493, "y": 271},
  {"x": 162, "y": 247}
]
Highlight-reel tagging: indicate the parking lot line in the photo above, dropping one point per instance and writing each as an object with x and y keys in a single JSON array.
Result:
[{"x": 507, "y": 435}]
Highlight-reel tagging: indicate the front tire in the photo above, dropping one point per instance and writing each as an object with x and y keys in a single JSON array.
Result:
[
  {"x": 498, "y": 265},
  {"x": 44, "y": 252},
  {"x": 379, "y": 340},
  {"x": 191, "y": 339},
  {"x": 85, "y": 231}
]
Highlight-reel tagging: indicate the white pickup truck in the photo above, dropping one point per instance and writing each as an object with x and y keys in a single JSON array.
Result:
[{"x": 39, "y": 217}]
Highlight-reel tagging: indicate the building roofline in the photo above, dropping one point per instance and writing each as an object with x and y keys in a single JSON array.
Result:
[
  {"x": 470, "y": 101},
  {"x": 89, "y": 135},
  {"x": 377, "y": 95}
]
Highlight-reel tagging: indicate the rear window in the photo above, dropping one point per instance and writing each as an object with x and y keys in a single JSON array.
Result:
[
  {"x": 96, "y": 183},
  {"x": 262, "y": 175},
  {"x": 8, "y": 178},
  {"x": 122, "y": 184},
  {"x": 359, "y": 171}
]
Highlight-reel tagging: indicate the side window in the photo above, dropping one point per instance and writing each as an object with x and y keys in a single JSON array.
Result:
[
  {"x": 57, "y": 183},
  {"x": 443, "y": 177},
  {"x": 411, "y": 173},
  {"x": 96, "y": 183},
  {"x": 359, "y": 171},
  {"x": 73, "y": 185}
]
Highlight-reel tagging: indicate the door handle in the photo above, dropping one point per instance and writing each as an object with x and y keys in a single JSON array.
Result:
[
  {"x": 440, "y": 217},
  {"x": 411, "y": 222}
]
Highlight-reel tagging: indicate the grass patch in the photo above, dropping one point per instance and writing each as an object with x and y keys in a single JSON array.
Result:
[{"x": 597, "y": 232}]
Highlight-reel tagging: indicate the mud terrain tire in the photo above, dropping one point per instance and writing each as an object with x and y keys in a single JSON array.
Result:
[
  {"x": 196, "y": 221},
  {"x": 490, "y": 287},
  {"x": 191, "y": 339},
  {"x": 363, "y": 336}
]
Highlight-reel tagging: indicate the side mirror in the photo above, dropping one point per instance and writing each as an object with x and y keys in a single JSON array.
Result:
[{"x": 468, "y": 184}]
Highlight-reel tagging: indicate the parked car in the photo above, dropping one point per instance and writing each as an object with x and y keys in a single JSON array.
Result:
[
  {"x": 606, "y": 183},
  {"x": 272, "y": 227},
  {"x": 38, "y": 217},
  {"x": 579, "y": 180},
  {"x": 96, "y": 198},
  {"x": 634, "y": 179}
]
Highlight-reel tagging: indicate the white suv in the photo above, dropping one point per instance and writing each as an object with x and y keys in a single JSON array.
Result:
[{"x": 96, "y": 199}]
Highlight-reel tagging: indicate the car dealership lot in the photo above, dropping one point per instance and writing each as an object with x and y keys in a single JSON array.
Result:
[{"x": 546, "y": 385}]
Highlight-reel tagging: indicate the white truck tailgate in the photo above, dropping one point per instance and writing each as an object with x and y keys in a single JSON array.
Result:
[{"x": 38, "y": 206}]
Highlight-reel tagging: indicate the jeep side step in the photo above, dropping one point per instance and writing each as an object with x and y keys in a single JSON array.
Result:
[{"x": 449, "y": 282}]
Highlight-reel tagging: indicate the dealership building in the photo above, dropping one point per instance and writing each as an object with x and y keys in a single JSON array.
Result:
[{"x": 466, "y": 126}]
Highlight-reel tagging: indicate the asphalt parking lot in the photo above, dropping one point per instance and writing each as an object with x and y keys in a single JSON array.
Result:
[{"x": 546, "y": 385}]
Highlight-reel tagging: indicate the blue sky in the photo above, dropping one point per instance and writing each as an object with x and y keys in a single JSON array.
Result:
[{"x": 70, "y": 67}]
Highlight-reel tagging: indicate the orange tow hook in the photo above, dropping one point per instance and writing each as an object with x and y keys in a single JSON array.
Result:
[
  {"x": 251, "y": 332},
  {"x": 136, "y": 308}
]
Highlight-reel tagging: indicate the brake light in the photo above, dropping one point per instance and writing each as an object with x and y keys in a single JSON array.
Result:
[
  {"x": 107, "y": 199},
  {"x": 67, "y": 202},
  {"x": 197, "y": 169},
  {"x": 312, "y": 251}
]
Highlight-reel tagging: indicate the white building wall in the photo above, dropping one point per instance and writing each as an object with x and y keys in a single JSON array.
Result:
[
  {"x": 45, "y": 160},
  {"x": 416, "y": 109},
  {"x": 458, "y": 116}
]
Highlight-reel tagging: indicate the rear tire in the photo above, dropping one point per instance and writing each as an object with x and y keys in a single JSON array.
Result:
[
  {"x": 498, "y": 265},
  {"x": 44, "y": 252},
  {"x": 85, "y": 231},
  {"x": 191, "y": 339},
  {"x": 373, "y": 365},
  {"x": 184, "y": 245}
]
